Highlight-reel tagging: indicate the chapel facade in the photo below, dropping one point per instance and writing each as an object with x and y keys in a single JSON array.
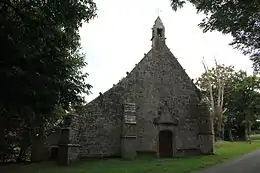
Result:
[{"x": 155, "y": 109}]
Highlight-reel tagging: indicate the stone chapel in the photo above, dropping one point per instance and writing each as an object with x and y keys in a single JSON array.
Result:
[{"x": 155, "y": 109}]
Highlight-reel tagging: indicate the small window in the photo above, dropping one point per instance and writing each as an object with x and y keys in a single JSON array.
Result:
[{"x": 159, "y": 32}]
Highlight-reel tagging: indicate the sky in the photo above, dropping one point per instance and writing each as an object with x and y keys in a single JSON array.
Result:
[{"x": 119, "y": 36}]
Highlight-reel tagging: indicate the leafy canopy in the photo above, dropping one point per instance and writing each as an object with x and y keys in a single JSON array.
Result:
[
  {"x": 240, "y": 18},
  {"x": 241, "y": 97},
  {"x": 41, "y": 63},
  {"x": 41, "y": 53}
]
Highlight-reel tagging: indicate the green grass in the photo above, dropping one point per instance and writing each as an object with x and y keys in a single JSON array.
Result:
[
  {"x": 255, "y": 137},
  {"x": 224, "y": 150}
]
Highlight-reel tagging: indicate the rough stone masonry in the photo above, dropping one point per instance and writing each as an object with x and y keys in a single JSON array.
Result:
[{"x": 155, "y": 109}]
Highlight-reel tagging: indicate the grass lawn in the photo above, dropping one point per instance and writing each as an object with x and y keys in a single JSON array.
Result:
[
  {"x": 224, "y": 150},
  {"x": 255, "y": 137}
]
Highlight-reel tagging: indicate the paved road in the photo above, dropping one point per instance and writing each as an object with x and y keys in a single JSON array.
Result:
[{"x": 248, "y": 163}]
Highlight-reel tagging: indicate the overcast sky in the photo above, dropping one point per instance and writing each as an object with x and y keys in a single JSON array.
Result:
[{"x": 118, "y": 38}]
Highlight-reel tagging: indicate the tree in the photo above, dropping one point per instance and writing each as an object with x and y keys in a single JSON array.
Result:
[
  {"x": 244, "y": 102},
  {"x": 240, "y": 18},
  {"x": 235, "y": 100},
  {"x": 41, "y": 65},
  {"x": 213, "y": 83},
  {"x": 209, "y": 85}
]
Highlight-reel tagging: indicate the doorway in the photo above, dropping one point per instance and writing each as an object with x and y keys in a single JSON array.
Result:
[
  {"x": 54, "y": 153},
  {"x": 165, "y": 143}
]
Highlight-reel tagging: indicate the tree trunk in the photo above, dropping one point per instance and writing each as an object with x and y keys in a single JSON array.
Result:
[
  {"x": 230, "y": 134},
  {"x": 247, "y": 128},
  {"x": 212, "y": 104},
  {"x": 221, "y": 106},
  {"x": 220, "y": 101}
]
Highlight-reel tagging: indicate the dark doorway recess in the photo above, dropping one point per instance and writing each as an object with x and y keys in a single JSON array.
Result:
[
  {"x": 165, "y": 143},
  {"x": 54, "y": 153}
]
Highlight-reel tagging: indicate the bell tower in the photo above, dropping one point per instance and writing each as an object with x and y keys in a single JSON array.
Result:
[{"x": 158, "y": 33}]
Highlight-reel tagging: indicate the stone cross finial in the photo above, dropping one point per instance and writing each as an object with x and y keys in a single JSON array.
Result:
[{"x": 158, "y": 11}]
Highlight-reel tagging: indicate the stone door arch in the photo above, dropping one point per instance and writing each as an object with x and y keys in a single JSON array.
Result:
[{"x": 165, "y": 143}]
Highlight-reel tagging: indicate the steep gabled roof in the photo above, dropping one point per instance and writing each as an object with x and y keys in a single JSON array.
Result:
[
  {"x": 161, "y": 64},
  {"x": 125, "y": 81}
]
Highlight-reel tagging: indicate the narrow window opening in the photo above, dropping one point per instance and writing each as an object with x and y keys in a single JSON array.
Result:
[{"x": 159, "y": 32}]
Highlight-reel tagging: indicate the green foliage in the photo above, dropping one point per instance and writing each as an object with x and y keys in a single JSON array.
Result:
[
  {"x": 177, "y": 4},
  {"x": 244, "y": 94},
  {"x": 243, "y": 103},
  {"x": 41, "y": 64},
  {"x": 225, "y": 73},
  {"x": 241, "y": 98},
  {"x": 240, "y": 18},
  {"x": 220, "y": 78}
]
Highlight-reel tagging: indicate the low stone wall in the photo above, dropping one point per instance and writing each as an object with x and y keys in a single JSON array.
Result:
[{"x": 42, "y": 148}]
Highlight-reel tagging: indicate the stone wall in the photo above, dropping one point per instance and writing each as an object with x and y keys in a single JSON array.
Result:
[
  {"x": 159, "y": 78},
  {"x": 206, "y": 131},
  {"x": 42, "y": 148},
  {"x": 100, "y": 125}
]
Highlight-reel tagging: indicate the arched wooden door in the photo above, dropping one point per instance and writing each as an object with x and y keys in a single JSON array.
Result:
[{"x": 165, "y": 143}]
